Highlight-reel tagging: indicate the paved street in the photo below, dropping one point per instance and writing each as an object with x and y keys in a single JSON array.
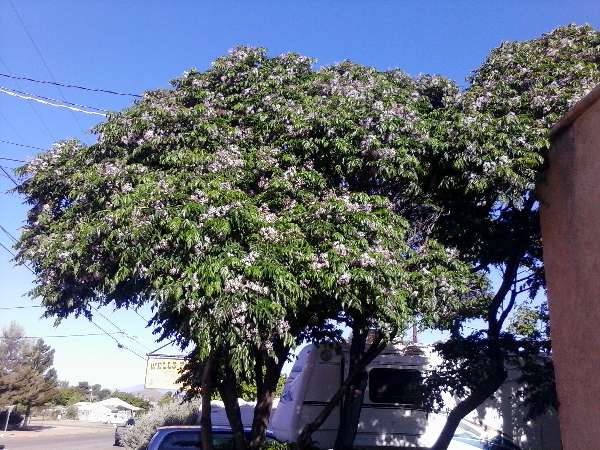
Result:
[
  {"x": 59, "y": 436},
  {"x": 85, "y": 441}
]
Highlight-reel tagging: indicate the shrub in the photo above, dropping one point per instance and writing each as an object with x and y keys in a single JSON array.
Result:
[
  {"x": 53, "y": 413},
  {"x": 268, "y": 445},
  {"x": 138, "y": 436},
  {"x": 274, "y": 445},
  {"x": 72, "y": 413}
]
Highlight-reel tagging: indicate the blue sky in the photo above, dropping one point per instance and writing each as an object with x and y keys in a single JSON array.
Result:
[{"x": 136, "y": 45}]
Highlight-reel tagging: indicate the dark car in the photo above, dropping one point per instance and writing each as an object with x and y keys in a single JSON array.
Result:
[
  {"x": 501, "y": 443},
  {"x": 120, "y": 429},
  {"x": 188, "y": 437}
]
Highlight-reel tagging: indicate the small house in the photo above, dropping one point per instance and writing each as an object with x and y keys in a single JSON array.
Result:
[{"x": 112, "y": 410}]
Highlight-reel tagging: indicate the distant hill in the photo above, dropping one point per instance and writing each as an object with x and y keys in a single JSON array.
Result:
[{"x": 152, "y": 395}]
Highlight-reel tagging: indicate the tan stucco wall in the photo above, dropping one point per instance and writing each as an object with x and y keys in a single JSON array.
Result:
[{"x": 570, "y": 216}]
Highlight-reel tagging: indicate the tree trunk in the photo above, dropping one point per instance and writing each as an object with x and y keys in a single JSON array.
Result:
[
  {"x": 461, "y": 410},
  {"x": 229, "y": 395},
  {"x": 350, "y": 411},
  {"x": 304, "y": 439},
  {"x": 27, "y": 415},
  {"x": 477, "y": 396},
  {"x": 208, "y": 376},
  {"x": 266, "y": 386},
  {"x": 352, "y": 399},
  {"x": 496, "y": 354}
]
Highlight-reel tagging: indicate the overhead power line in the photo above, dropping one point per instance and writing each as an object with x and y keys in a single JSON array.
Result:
[
  {"x": 31, "y": 106},
  {"x": 119, "y": 345},
  {"x": 73, "y": 86},
  {"x": 8, "y": 250},
  {"x": 161, "y": 347},
  {"x": 140, "y": 316},
  {"x": 120, "y": 329},
  {"x": 44, "y": 62},
  {"x": 34, "y": 98},
  {"x": 103, "y": 331},
  {"x": 22, "y": 145},
  {"x": 14, "y": 239},
  {"x": 50, "y": 99},
  {"x": 8, "y": 175},
  {"x": 12, "y": 126},
  {"x": 8, "y": 233},
  {"x": 12, "y": 159},
  {"x": 56, "y": 336},
  {"x": 5, "y": 308}
]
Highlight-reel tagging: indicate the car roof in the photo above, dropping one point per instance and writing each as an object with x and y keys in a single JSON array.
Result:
[
  {"x": 215, "y": 428},
  {"x": 198, "y": 427}
]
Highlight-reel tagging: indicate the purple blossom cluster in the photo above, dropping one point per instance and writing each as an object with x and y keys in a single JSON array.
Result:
[{"x": 242, "y": 285}]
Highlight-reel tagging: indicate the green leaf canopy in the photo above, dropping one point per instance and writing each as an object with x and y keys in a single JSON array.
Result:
[{"x": 260, "y": 200}]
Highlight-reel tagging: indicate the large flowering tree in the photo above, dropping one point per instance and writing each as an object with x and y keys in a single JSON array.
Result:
[{"x": 254, "y": 206}]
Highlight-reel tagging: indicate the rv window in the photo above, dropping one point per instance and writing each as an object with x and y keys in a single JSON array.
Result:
[{"x": 402, "y": 386}]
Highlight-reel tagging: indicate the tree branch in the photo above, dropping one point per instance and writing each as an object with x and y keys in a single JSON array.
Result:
[{"x": 513, "y": 297}]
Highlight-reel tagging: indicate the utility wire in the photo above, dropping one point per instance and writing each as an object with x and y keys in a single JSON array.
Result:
[
  {"x": 58, "y": 336},
  {"x": 12, "y": 159},
  {"x": 118, "y": 328},
  {"x": 74, "y": 86},
  {"x": 35, "y": 111},
  {"x": 104, "y": 332},
  {"x": 4, "y": 308},
  {"x": 8, "y": 250},
  {"x": 12, "y": 126},
  {"x": 8, "y": 175},
  {"x": 14, "y": 256},
  {"x": 22, "y": 145},
  {"x": 8, "y": 233},
  {"x": 2, "y": 175},
  {"x": 39, "y": 52},
  {"x": 119, "y": 345},
  {"x": 142, "y": 317},
  {"x": 116, "y": 340},
  {"x": 160, "y": 348},
  {"x": 32, "y": 98},
  {"x": 50, "y": 99}
]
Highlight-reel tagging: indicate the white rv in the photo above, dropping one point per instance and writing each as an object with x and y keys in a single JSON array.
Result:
[{"x": 390, "y": 415}]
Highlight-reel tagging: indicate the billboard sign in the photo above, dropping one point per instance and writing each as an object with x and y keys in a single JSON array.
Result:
[{"x": 162, "y": 372}]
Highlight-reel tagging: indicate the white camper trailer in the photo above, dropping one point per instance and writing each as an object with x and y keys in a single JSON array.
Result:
[{"x": 390, "y": 414}]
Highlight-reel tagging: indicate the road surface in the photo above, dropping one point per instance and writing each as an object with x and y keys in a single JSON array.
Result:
[
  {"x": 76, "y": 439},
  {"x": 85, "y": 441}
]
